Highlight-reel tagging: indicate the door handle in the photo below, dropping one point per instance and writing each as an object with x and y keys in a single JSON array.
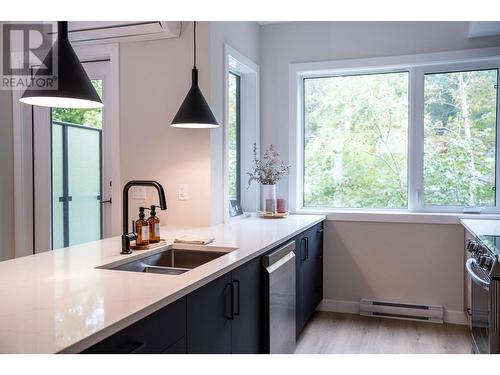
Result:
[
  {"x": 107, "y": 201},
  {"x": 469, "y": 264},
  {"x": 303, "y": 256},
  {"x": 307, "y": 247},
  {"x": 68, "y": 198},
  {"x": 229, "y": 299},
  {"x": 236, "y": 299}
]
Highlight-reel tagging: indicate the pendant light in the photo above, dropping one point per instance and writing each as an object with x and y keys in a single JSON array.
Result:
[
  {"x": 194, "y": 111},
  {"x": 74, "y": 89}
]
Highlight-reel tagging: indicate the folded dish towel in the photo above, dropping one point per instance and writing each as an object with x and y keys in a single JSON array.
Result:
[{"x": 194, "y": 240}]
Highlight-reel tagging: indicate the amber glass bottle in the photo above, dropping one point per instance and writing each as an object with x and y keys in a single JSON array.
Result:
[
  {"x": 142, "y": 228},
  {"x": 154, "y": 226}
]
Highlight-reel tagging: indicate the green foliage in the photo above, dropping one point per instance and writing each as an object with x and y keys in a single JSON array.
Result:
[
  {"x": 232, "y": 135},
  {"x": 356, "y": 135},
  {"x": 86, "y": 117},
  {"x": 460, "y": 127},
  {"x": 356, "y": 141}
]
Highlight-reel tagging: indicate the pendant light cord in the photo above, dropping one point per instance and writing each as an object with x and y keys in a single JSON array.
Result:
[{"x": 194, "y": 44}]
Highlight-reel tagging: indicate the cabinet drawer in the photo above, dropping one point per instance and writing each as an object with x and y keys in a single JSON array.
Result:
[{"x": 152, "y": 334}]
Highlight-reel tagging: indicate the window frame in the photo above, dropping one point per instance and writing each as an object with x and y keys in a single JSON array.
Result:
[
  {"x": 237, "y": 76},
  {"x": 416, "y": 66},
  {"x": 249, "y": 73}
]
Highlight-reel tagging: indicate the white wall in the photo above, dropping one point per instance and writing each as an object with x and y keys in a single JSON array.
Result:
[
  {"x": 155, "y": 76},
  {"x": 244, "y": 37},
  {"x": 6, "y": 177},
  {"x": 411, "y": 263},
  {"x": 419, "y": 263}
]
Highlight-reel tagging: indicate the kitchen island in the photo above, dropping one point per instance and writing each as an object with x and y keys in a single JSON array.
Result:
[{"x": 61, "y": 301}]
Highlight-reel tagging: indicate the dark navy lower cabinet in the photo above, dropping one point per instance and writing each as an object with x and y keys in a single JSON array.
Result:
[
  {"x": 247, "y": 323},
  {"x": 153, "y": 334},
  {"x": 225, "y": 316},
  {"x": 209, "y": 317},
  {"x": 309, "y": 274}
]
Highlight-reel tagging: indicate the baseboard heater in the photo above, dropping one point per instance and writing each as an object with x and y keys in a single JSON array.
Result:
[{"x": 406, "y": 311}]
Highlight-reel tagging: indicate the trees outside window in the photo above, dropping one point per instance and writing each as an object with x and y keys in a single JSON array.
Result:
[
  {"x": 355, "y": 141},
  {"x": 459, "y": 138},
  {"x": 358, "y": 147}
]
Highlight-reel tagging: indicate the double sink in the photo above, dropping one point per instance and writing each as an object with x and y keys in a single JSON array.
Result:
[{"x": 173, "y": 261}]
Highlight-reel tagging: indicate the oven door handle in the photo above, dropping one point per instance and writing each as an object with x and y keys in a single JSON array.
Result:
[{"x": 471, "y": 262}]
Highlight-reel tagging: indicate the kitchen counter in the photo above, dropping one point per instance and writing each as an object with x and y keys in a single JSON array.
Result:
[
  {"x": 488, "y": 231},
  {"x": 58, "y": 301},
  {"x": 479, "y": 227}
]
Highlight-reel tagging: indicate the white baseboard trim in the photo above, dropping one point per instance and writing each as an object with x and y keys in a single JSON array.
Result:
[{"x": 352, "y": 307}]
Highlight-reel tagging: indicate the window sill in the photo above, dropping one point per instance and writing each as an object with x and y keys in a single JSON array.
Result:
[{"x": 397, "y": 216}]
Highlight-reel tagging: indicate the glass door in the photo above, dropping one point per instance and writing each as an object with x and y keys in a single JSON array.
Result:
[
  {"x": 75, "y": 162},
  {"x": 76, "y": 174}
]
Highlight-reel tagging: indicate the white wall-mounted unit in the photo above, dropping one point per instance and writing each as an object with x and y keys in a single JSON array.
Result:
[
  {"x": 112, "y": 32},
  {"x": 478, "y": 29},
  {"x": 396, "y": 310}
]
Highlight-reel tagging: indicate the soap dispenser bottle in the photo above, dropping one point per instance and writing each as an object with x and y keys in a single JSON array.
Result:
[
  {"x": 142, "y": 228},
  {"x": 154, "y": 226}
]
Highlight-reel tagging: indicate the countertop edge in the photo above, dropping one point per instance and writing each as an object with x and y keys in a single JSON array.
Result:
[{"x": 108, "y": 331}]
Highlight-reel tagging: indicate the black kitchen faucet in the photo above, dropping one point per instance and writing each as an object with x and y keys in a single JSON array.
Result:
[{"x": 129, "y": 236}]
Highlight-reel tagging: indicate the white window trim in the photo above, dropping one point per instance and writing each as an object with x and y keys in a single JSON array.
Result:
[
  {"x": 249, "y": 73},
  {"x": 417, "y": 66}
]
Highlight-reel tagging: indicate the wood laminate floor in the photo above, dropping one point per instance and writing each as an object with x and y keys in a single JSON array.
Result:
[{"x": 334, "y": 333}]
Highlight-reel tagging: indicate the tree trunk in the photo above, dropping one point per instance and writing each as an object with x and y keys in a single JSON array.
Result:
[{"x": 468, "y": 137}]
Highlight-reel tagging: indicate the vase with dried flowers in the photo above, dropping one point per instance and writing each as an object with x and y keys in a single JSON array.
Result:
[{"x": 267, "y": 172}]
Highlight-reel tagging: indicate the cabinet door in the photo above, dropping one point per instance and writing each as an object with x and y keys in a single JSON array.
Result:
[
  {"x": 152, "y": 334},
  {"x": 209, "y": 314},
  {"x": 300, "y": 258},
  {"x": 178, "y": 348},
  {"x": 309, "y": 284},
  {"x": 247, "y": 325},
  {"x": 312, "y": 272}
]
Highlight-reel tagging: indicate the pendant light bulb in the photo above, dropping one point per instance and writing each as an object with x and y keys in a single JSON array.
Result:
[
  {"x": 194, "y": 112},
  {"x": 74, "y": 88}
]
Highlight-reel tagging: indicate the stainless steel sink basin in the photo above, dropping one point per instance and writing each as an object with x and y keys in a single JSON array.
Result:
[{"x": 171, "y": 262}]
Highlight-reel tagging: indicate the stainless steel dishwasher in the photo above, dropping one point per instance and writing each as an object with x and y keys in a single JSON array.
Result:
[{"x": 280, "y": 301}]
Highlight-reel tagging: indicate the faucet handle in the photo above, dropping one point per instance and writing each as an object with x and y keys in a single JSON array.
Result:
[{"x": 126, "y": 239}]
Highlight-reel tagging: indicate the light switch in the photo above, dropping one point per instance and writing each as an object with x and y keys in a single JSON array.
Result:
[
  {"x": 183, "y": 192},
  {"x": 139, "y": 193}
]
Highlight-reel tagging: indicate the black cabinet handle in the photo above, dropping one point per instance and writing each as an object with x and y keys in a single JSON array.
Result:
[
  {"x": 229, "y": 298},
  {"x": 138, "y": 346},
  {"x": 307, "y": 247},
  {"x": 303, "y": 241},
  {"x": 236, "y": 299}
]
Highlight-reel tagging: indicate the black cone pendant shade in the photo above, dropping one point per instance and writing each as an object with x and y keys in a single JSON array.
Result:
[
  {"x": 74, "y": 89},
  {"x": 194, "y": 111}
]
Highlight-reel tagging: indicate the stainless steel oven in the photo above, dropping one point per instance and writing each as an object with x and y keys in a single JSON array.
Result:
[{"x": 482, "y": 267}]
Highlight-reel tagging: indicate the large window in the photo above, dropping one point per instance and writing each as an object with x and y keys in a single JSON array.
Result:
[
  {"x": 460, "y": 138},
  {"x": 421, "y": 137},
  {"x": 355, "y": 141}
]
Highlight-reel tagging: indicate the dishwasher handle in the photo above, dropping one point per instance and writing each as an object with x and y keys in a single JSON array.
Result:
[{"x": 276, "y": 255}]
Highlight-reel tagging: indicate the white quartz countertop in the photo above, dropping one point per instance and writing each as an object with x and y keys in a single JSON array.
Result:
[
  {"x": 480, "y": 227},
  {"x": 58, "y": 301}
]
